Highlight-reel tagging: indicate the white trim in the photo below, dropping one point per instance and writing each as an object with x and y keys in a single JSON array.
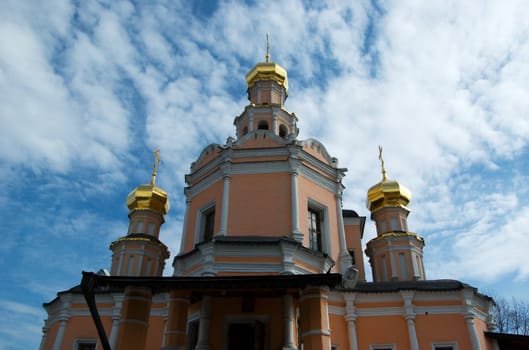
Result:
[
  {"x": 316, "y": 332},
  {"x": 200, "y": 218}
]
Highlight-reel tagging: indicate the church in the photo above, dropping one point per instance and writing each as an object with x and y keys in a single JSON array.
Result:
[{"x": 269, "y": 258}]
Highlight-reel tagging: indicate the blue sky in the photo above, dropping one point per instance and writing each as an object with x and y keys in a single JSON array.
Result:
[{"x": 90, "y": 88}]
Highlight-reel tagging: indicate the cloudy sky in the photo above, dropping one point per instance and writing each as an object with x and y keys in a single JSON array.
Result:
[{"x": 89, "y": 88}]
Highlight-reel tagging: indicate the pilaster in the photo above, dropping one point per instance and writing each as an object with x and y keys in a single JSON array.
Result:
[
  {"x": 350, "y": 318},
  {"x": 315, "y": 332},
  {"x": 203, "y": 342},
  {"x": 175, "y": 332},
  {"x": 132, "y": 333},
  {"x": 409, "y": 316}
]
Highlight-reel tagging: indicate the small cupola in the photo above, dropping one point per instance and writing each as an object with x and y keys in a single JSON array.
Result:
[{"x": 267, "y": 82}]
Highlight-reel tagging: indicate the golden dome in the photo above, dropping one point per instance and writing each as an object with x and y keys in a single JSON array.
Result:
[
  {"x": 267, "y": 71},
  {"x": 148, "y": 197},
  {"x": 387, "y": 193}
]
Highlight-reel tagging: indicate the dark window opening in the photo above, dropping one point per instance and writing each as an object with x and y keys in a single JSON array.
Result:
[
  {"x": 314, "y": 218},
  {"x": 283, "y": 131},
  {"x": 245, "y": 130},
  {"x": 263, "y": 125},
  {"x": 192, "y": 334},
  {"x": 86, "y": 345},
  {"x": 246, "y": 336},
  {"x": 209, "y": 224}
]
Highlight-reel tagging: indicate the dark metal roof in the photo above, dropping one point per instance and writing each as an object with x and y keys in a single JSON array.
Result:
[
  {"x": 510, "y": 341},
  {"x": 349, "y": 213},
  {"x": 160, "y": 284},
  {"x": 427, "y": 285}
]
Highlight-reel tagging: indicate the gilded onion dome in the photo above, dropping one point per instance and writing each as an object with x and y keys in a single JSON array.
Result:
[
  {"x": 267, "y": 71},
  {"x": 149, "y": 196},
  {"x": 387, "y": 193}
]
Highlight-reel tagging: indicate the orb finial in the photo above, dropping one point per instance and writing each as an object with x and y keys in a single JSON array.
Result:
[
  {"x": 267, "y": 57},
  {"x": 155, "y": 167},
  {"x": 382, "y": 163}
]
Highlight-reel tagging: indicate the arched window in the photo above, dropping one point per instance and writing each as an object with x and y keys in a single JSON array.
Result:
[
  {"x": 263, "y": 125},
  {"x": 283, "y": 131},
  {"x": 244, "y": 130}
]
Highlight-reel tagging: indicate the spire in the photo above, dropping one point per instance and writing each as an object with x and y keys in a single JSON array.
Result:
[
  {"x": 382, "y": 163},
  {"x": 149, "y": 196},
  {"x": 267, "y": 57},
  {"x": 155, "y": 167},
  {"x": 387, "y": 192}
]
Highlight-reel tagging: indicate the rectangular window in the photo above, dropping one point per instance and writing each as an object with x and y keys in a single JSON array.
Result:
[
  {"x": 444, "y": 346},
  {"x": 139, "y": 227},
  {"x": 383, "y": 227},
  {"x": 130, "y": 266},
  {"x": 209, "y": 224},
  {"x": 314, "y": 221},
  {"x": 150, "y": 229},
  {"x": 384, "y": 269},
  {"x": 85, "y": 344},
  {"x": 382, "y": 347},
  {"x": 395, "y": 224},
  {"x": 403, "y": 266}
]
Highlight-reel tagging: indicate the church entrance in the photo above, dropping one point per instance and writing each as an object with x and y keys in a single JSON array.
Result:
[{"x": 246, "y": 336}]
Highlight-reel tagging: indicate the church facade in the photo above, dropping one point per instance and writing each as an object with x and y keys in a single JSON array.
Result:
[{"x": 269, "y": 259}]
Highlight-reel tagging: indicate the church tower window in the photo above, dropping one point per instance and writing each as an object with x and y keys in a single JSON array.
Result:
[
  {"x": 314, "y": 221},
  {"x": 283, "y": 131},
  {"x": 263, "y": 125},
  {"x": 206, "y": 223}
]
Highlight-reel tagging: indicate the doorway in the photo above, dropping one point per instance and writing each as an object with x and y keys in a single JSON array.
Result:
[{"x": 246, "y": 336}]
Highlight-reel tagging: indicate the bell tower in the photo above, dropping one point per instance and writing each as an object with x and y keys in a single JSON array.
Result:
[
  {"x": 140, "y": 252},
  {"x": 267, "y": 92},
  {"x": 395, "y": 254}
]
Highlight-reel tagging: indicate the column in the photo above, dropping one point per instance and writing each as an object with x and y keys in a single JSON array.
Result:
[
  {"x": 469, "y": 318},
  {"x": 296, "y": 234},
  {"x": 225, "y": 199},
  {"x": 350, "y": 317},
  {"x": 274, "y": 123},
  {"x": 288, "y": 320},
  {"x": 184, "y": 226},
  {"x": 116, "y": 315},
  {"x": 203, "y": 329},
  {"x": 135, "y": 313},
  {"x": 64, "y": 316},
  {"x": 44, "y": 336},
  {"x": 314, "y": 315},
  {"x": 409, "y": 316},
  {"x": 60, "y": 334},
  {"x": 175, "y": 333},
  {"x": 345, "y": 258}
]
